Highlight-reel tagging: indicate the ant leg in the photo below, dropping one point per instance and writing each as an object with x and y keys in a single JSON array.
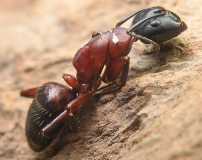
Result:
[
  {"x": 71, "y": 80},
  {"x": 110, "y": 88},
  {"x": 118, "y": 84},
  {"x": 71, "y": 109},
  {"x": 124, "y": 75},
  {"x": 156, "y": 46},
  {"x": 29, "y": 93},
  {"x": 57, "y": 143}
]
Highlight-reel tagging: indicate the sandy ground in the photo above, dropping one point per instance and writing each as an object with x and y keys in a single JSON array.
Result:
[{"x": 38, "y": 41}]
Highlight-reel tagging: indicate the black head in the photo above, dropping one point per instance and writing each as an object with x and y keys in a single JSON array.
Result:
[{"x": 158, "y": 24}]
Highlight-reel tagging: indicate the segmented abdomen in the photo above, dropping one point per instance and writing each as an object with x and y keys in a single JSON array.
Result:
[{"x": 37, "y": 118}]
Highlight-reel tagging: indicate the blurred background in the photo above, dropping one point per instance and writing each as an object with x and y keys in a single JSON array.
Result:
[{"x": 38, "y": 39}]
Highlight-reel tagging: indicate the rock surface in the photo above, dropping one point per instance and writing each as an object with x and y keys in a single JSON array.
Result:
[{"x": 38, "y": 41}]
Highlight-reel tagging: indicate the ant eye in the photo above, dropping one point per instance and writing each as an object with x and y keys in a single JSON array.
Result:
[{"x": 155, "y": 23}]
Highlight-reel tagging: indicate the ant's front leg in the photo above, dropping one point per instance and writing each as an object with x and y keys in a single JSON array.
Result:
[
  {"x": 72, "y": 108},
  {"x": 155, "y": 46},
  {"x": 118, "y": 83}
]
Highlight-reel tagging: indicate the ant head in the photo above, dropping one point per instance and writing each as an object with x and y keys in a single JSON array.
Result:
[{"x": 157, "y": 24}]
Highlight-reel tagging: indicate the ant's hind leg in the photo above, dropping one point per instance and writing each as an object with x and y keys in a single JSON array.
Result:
[
  {"x": 29, "y": 93},
  {"x": 72, "y": 108},
  {"x": 57, "y": 144}
]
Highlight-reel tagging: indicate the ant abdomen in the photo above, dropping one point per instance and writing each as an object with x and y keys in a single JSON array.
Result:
[{"x": 50, "y": 100}]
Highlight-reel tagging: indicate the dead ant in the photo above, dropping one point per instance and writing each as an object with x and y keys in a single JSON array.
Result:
[{"x": 103, "y": 59}]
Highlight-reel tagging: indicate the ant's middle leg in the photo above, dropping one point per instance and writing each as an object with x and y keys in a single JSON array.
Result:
[{"x": 118, "y": 83}]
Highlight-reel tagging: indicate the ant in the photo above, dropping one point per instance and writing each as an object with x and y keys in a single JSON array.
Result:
[{"x": 104, "y": 58}]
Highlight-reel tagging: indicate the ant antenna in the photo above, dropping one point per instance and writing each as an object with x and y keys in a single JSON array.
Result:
[
  {"x": 142, "y": 21},
  {"x": 134, "y": 14}
]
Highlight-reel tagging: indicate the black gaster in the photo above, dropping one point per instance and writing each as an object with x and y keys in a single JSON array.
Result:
[
  {"x": 50, "y": 101},
  {"x": 37, "y": 118}
]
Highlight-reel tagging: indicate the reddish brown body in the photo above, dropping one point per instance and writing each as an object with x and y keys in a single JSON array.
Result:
[{"x": 108, "y": 48}]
